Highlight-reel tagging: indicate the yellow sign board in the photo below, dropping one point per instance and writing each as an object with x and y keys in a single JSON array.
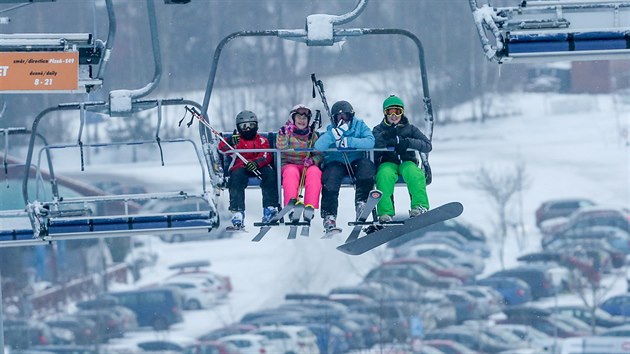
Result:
[{"x": 39, "y": 71}]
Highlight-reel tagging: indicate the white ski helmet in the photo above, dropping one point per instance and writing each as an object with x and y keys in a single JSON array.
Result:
[{"x": 295, "y": 108}]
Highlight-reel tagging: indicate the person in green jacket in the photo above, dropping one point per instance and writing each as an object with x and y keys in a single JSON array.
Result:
[{"x": 396, "y": 132}]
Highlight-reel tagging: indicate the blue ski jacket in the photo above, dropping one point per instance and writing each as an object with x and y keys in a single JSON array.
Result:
[{"x": 359, "y": 137}]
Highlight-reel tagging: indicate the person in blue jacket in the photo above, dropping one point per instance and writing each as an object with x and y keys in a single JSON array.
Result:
[{"x": 345, "y": 131}]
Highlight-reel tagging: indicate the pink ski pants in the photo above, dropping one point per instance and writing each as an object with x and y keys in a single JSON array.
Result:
[{"x": 312, "y": 186}]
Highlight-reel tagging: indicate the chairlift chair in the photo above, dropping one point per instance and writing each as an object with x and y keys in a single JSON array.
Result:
[
  {"x": 554, "y": 30},
  {"x": 63, "y": 218},
  {"x": 320, "y": 30}
]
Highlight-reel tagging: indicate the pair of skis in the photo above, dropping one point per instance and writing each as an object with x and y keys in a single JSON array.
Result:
[
  {"x": 297, "y": 210},
  {"x": 355, "y": 245}
]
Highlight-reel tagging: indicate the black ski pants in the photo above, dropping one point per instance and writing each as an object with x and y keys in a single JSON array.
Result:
[
  {"x": 238, "y": 182},
  {"x": 332, "y": 175}
]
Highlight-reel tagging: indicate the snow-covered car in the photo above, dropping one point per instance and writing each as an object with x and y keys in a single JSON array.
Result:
[
  {"x": 251, "y": 343},
  {"x": 432, "y": 250},
  {"x": 197, "y": 292},
  {"x": 220, "y": 284},
  {"x": 291, "y": 339}
]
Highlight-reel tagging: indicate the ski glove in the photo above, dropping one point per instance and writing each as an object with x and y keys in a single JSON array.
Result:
[
  {"x": 402, "y": 146},
  {"x": 391, "y": 142},
  {"x": 308, "y": 162},
  {"x": 288, "y": 128},
  {"x": 251, "y": 166},
  {"x": 338, "y": 132},
  {"x": 235, "y": 138}
]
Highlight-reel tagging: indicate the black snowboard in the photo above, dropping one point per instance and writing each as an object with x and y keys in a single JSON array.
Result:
[{"x": 375, "y": 239}]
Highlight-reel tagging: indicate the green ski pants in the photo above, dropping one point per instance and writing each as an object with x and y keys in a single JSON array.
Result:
[{"x": 386, "y": 178}]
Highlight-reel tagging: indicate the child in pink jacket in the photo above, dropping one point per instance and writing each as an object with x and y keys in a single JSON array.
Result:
[{"x": 297, "y": 134}]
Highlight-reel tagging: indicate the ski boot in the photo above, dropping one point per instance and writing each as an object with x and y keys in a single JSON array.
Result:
[
  {"x": 269, "y": 213},
  {"x": 359, "y": 206},
  {"x": 238, "y": 221},
  {"x": 330, "y": 226},
  {"x": 309, "y": 212},
  {"x": 419, "y": 210}
]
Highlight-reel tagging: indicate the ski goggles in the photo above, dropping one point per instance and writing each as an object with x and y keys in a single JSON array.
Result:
[
  {"x": 247, "y": 125},
  {"x": 394, "y": 111},
  {"x": 343, "y": 115},
  {"x": 303, "y": 112}
]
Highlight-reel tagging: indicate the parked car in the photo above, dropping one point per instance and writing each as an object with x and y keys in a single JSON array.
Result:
[
  {"x": 601, "y": 318},
  {"x": 85, "y": 330},
  {"x": 560, "y": 208},
  {"x": 158, "y": 307},
  {"x": 539, "y": 279},
  {"x": 164, "y": 346},
  {"x": 198, "y": 292},
  {"x": 236, "y": 328},
  {"x": 414, "y": 272},
  {"x": 444, "y": 252},
  {"x": 470, "y": 232},
  {"x": 616, "y": 237},
  {"x": 514, "y": 290},
  {"x": 440, "y": 267},
  {"x": 544, "y": 321},
  {"x": 475, "y": 340},
  {"x": 25, "y": 333},
  {"x": 454, "y": 239},
  {"x": 125, "y": 315},
  {"x": 221, "y": 285},
  {"x": 108, "y": 324},
  {"x": 211, "y": 347},
  {"x": 448, "y": 346},
  {"x": 593, "y": 216},
  {"x": 490, "y": 301},
  {"x": 251, "y": 343},
  {"x": 66, "y": 349},
  {"x": 466, "y": 306},
  {"x": 393, "y": 320},
  {"x": 619, "y": 331},
  {"x": 375, "y": 291},
  {"x": 617, "y": 305},
  {"x": 529, "y": 334},
  {"x": 330, "y": 338},
  {"x": 291, "y": 339}
]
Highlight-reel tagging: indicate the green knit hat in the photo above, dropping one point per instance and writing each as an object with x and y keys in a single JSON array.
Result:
[{"x": 393, "y": 101}]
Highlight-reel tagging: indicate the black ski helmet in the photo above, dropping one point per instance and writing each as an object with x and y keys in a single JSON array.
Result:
[
  {"x": 246, "y": 116},
  {"x": 341, "y": 107}
]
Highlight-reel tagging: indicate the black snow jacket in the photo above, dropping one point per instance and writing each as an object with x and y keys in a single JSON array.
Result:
[{"x": 385, "y": 135}]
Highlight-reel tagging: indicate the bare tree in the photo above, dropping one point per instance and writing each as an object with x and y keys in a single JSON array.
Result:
[{"x": 499, "y": 188}]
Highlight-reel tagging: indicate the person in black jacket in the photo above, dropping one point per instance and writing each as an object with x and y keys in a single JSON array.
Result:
[{"x": 396, "y": 131}]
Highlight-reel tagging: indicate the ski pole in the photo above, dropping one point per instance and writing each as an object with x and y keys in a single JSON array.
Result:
[
  {"x": 320, "y": 89},
  {"x": 196, "y": 114},
  {"x": 317, "y": 121}
]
